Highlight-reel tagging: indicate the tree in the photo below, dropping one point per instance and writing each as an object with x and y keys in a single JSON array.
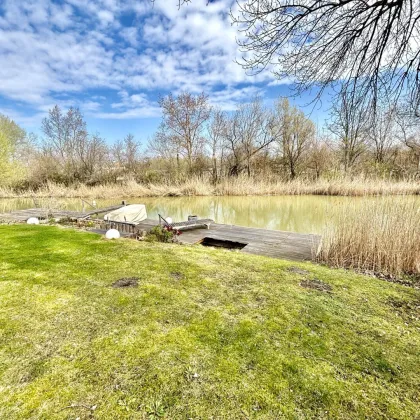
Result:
[
  {"x": 216, "y": 132},
  {"x": 319, "y": 158},
  {"x": 409, "y": 132},
  {"x": 126, "y": 153},
  {"x": 77, "y": 155},
  {"x": 295, "y": 134},
  {"x": 369, "y": 46},
  {"x": 381, "y": 132},
  {"x": 12, "y": 140},
  {"x": 349, "y": 126},
  {"x": 248, "y": 132},
  {"x": 183, "y": 123},
  {"x": 63, "y": 134},
  {"x": 93, "y": 157}
]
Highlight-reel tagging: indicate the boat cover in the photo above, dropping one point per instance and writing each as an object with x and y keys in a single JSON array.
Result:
[{"x": 133, "y": 213}]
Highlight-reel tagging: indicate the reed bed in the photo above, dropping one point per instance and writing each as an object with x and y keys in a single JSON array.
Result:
[
  {"x": 239, "y": 186},
  {"x": 379, "y": 237}
]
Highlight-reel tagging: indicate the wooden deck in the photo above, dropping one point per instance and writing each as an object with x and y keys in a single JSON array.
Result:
[
  {"x": 45, "y": 213},
  {"x": 271, "y": 243}
]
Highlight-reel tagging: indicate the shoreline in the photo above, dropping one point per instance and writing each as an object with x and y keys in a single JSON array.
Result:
[{"x": 234, "y": 187}]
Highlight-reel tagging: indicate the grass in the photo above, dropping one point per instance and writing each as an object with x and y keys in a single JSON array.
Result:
[
  {"x": 382, "y": 237},
  {"x": 206, "y": 334},
  {"x": 231, "y": 186}
]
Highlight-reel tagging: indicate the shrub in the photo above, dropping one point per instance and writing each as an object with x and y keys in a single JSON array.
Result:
[{"x": 162, "y": 234}]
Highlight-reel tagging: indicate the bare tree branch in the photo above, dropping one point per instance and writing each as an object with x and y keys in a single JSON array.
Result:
[{"x": 366, "y": 48}]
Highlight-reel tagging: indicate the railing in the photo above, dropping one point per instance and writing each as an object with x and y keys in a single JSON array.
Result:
[
  {"x": 123, "y": 227},
  {"x": 165, "y": 222}
]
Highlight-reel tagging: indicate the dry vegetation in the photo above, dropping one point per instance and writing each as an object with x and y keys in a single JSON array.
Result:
[
  {"x": 379, "y": 237},
  {"x": 235, "y": 186}
]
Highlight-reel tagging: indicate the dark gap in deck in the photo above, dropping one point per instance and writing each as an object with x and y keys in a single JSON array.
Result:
[{"x": 222, "y": 243}]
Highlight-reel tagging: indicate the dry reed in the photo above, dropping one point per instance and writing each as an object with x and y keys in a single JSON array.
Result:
[
  {"x": 232, "y": 186},
  {"x": 379, "y": 237}
]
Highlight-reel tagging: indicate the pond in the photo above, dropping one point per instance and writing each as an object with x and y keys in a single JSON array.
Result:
[{"x": 303, "y": 214}]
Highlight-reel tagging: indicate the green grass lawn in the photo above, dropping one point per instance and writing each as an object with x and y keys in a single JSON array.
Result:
[{"x": 206, "y": 334}]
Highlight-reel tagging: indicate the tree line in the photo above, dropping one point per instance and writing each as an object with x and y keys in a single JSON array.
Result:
[{"x": 277, "y": 142}]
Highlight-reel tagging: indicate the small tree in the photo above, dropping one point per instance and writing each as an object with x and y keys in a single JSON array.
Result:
[
  {"x": 248, "y": 132},
  {"x": 349, "y": 126},
  {"x": 216, "y": 132},
  {"x": 126, "y": 154},
  {"x": 77, "y": 156},
  {"x": 295, "y": 132},
  {"x": 319, "y": 155},
  {"x": 409, "y": 133},
  {"x": 381, "y": 132},
  {"x": 183, "y": 123},
  {"x": 12, "y": 140}
]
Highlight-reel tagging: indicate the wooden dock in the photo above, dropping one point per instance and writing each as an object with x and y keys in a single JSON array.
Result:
[
  {"x": 271, "y": 243},
  {"x": 46, "y": 213}
]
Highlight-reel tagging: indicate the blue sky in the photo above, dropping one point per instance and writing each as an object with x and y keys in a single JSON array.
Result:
[{"x": 113, "y": 58}]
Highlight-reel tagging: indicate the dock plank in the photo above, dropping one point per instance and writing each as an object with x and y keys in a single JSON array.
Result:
[
  {"x": 45, "y": 213},
  {"x": 270, "y": 243}
]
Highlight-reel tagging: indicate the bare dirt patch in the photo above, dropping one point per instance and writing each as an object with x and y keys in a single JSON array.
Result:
[
  {"x": 297, "y": 270},
  {"x": 316, "y": 284},
  {"x": 176, "y": 275},
  {"x": 126, "y": 282},
  {"x": 408, "y": 310}
]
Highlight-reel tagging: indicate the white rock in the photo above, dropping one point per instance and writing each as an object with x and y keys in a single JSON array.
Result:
[
  {"x": 33, "y": 221},
  {"x": 112, "y": 234}
]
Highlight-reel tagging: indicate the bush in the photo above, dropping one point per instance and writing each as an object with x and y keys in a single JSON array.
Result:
[{"x": 162, "y": 234}]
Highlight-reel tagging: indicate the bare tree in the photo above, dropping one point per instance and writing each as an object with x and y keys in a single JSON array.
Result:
[
  {"x": 369, "y": 46},
  {"x": 381, "y": 131},
  {"x": 249, "y": 131},
  {"x": 319, "y": 158},
  {"x": 126, "y": 154},
  {"x": 63, "y": 134},
  {"x": 67, "y": 142},
  {"x": 93, "y": 157},
  {"x": 295, "y": 134},
  {"x": 349, "y": 126},
  {"x": 216, "y": 132},
  {"x": 183, "y": 124},
  {"x": 409, "y": 133}
]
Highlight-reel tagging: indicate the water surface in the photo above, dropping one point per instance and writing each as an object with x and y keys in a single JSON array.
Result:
[{"x": 304, "y": 214}]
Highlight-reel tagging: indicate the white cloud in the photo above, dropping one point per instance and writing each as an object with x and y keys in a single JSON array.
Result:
[
  {"x": 30, "y": 121},
  {"x": 61, "y": 16},
  {"x": 130, "y": 35},
  {"x": 105, "y": 17},
  {"x": 132, "y": 106},
  {"x": 48, "y": 50},
  {"x": 228, "y": 99}
]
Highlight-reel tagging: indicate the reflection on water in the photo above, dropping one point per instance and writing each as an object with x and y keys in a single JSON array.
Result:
[{"x": 305, "y": 214}]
